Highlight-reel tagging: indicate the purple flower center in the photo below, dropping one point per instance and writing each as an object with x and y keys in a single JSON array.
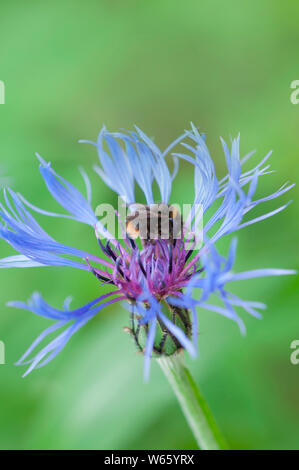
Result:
[{"x": 161, "y": 267}]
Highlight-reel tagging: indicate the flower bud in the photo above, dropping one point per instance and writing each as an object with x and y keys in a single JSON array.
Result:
[{"x": 165, "y": 343}]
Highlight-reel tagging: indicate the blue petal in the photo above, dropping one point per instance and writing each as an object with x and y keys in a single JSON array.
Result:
[
  {"x": 37, "y": 305},
  {"x": 133, "y": 156},
  {"x": 179, "y": 334},
  {"x": 67, "y": 195},
  {"x": 18, "y": 261},
  {"x": 218, "y": 272},
  {"x": 77, "y": 318},
  {"x": 149, "y": 347},
  {"x": 226, "y": 313},
  {"x": 159, "y": 167},
  {"x": 27, "y": 237},
  {"x": 262, "y": 273},
  {"x": 116, "y": 168}
]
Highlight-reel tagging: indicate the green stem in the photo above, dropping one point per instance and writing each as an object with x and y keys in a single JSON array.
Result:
[{"x": 194, "y": 407}]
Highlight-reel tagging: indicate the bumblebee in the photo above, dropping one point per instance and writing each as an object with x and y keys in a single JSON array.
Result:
[{"x": 154, "y": 222}]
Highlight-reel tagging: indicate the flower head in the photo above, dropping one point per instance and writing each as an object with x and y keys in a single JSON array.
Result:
[{"x": 160, "y": 280}]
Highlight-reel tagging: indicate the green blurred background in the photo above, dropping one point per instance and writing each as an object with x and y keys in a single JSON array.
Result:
[{"x": 69, "y": 67}]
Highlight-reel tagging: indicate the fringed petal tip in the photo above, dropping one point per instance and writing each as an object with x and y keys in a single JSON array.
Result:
[
  {"x": 84, "y": 141},
  {"x": 16, "y": 304},
  {"x": 67, "y": 321},
  {"x": 42, "y": 161},
  {"x": 218, "y": 273}
]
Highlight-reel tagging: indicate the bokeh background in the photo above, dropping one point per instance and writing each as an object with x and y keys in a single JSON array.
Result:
[{"x": 69, "y": 67}]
